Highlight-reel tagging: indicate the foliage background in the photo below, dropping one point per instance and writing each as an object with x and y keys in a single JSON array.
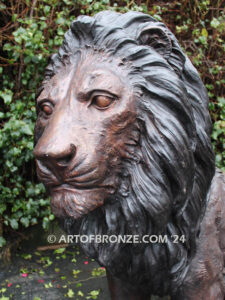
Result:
[{"x": 31, "y": 30}]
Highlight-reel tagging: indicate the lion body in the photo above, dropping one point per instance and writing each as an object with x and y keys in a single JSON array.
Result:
[
  {"x": 123, "y": 146},
  {"x": 205, "y": 278}
]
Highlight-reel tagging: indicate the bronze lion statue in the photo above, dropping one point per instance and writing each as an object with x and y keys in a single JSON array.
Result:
[{"x": 123, "y": 147}]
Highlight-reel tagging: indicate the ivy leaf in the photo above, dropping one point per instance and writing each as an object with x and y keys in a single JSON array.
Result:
[
  {"x": 94, "y": 293},
  {"x": 80, "y": 293},
  {"x": 27, "y": 130},
  {"x": 6, "y": 95},
  {"x": 14, "y": 224},
  {"x": 2, "y": 241},
  {"x": 214, "y": 23},
  {"x": 25, "y": 221},
  {"x": 4, "y": 298},
  {"x": 59, "y": 251},
  {"x": 204, "y": 32},
  {"x": 2, "y": 6},
  {"x": 2, "y": 208},
  {"x": 70, "y": 293}
]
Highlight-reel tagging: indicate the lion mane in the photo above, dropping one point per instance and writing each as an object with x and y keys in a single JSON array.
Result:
[{"x": 163, "y": 187}]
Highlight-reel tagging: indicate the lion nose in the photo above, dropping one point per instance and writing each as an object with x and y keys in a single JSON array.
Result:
[{"x": 60, "y": 158}]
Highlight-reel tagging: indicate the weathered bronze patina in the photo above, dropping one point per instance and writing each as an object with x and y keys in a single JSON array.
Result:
[{"x": 123, "y": 147}]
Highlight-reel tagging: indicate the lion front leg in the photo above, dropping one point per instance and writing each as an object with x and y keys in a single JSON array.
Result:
[{"x": 121, "y": 290}]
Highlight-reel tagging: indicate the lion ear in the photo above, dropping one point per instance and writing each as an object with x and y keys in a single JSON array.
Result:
[{"x": 156, "y": 38}]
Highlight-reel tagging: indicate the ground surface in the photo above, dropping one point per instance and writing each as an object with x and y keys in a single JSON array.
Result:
[
  {"x": 36, "y": 272},
  {"x": 53, "y": 274}
]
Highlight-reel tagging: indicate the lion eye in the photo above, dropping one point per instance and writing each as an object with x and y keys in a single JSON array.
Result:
[
  {"x": 46, "y": 109},
  {"x": 102, "y": 101}
]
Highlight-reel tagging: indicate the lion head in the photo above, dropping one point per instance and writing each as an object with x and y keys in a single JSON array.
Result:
[{"x": 123, "y": 142}]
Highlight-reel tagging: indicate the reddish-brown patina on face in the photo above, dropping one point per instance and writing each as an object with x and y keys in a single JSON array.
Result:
[{"x": 85, "y": 116}]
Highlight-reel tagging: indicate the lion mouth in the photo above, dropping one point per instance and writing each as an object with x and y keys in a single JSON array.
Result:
[
  {"x": 73, "y": 187},
  {"x": 69, "y": 187},
  {"x": 83, "y": 180},
  {"x": 75, "y": 196}
]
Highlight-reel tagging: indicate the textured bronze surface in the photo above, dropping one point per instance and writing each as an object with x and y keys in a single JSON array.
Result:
[{"x": 123, "y": 148}]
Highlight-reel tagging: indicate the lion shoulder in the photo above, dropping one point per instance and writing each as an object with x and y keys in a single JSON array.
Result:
[{"x": 205, "y": 275}]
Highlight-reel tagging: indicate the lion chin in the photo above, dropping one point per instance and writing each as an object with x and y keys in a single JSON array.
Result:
[{"x": 75, "y": 203}]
